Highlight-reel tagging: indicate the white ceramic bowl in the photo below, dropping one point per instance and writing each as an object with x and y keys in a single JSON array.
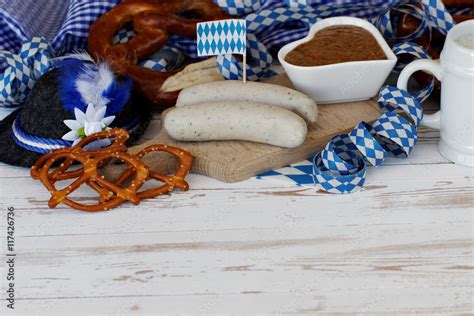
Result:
[{"x": 343, "y": 82}]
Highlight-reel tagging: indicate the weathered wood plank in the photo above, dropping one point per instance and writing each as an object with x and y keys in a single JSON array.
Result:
[
  {"x": 403, "y": 245},
  {"x": 424, "y": 266}
]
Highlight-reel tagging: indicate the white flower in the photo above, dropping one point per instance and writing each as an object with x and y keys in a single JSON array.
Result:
[{"x": 86, "y": 124}]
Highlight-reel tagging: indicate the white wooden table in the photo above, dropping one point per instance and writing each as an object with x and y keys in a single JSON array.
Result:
[{"x": 402, "y": 245}]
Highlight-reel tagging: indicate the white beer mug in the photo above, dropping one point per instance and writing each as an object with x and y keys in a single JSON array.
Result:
[{"x": 455, "y": 70}]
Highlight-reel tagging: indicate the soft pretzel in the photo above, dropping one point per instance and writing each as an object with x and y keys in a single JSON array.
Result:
[{"x": 153, "y": 21}]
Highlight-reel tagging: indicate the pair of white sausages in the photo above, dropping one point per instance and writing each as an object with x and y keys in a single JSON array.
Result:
[{"x": 232, "y": 110}]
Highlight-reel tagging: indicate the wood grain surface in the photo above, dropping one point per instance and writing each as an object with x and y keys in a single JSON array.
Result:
[
  {"x": 233, "y": 161},
  {"x": 404, "y": 245}
]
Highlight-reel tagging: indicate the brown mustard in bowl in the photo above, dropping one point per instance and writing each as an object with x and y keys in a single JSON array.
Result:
[{"x": 337, "y": 44}]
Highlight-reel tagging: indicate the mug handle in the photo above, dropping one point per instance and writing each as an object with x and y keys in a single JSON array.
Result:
[{"x": 431, "y": 66}]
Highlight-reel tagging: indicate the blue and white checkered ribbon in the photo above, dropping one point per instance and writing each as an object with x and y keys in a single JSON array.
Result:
[
  {"x": 22, "y": 70},
  {"x": 341, "y": 167}
]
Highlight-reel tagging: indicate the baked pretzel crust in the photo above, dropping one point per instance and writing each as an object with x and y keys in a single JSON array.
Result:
[{"x": 153, "y": 21}]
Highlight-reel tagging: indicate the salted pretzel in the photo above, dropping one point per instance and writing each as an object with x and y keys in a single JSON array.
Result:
[
  {"x": 119, "y": 136},
  {"x": 91, "y": 161},
  {"x": 169, "y": 182},
  {"x": 89, "y": 175},
  {"x": 153, "y": 21},
  {"x": 110, "y": 194}
]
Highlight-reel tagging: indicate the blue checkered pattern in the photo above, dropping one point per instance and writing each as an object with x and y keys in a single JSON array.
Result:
[
  {"x": 168, "y": 58},
  {"x": 397, "y": 130},
  {"x": 221, "y": 37},
  {"x": 271, "y": 23},
  {"x": 364, "y": 138},
  {"x": 22, "y": 70},
  {"x": 433, "y": 14},
  {"x": 331, "y": 182},
  {"x": 399, "y": 101},
  {"x": 341, "y": 166},
  {"x": 300, "y": 173},
  {"x": 65, "y": 24},
  {"x": 239, "y": 7},
  {"x": 439, "y": 17},
  {"x": 408, "y": 48},
  {"x": 417, "y": 52},
  {"x": 386, "y": 24}
]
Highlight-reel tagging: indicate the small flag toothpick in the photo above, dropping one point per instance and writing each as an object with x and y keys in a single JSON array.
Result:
[{"x": 221, "y": 38}]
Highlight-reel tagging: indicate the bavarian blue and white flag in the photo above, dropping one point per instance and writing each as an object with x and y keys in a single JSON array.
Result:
[{"x": 221, "y": 37}]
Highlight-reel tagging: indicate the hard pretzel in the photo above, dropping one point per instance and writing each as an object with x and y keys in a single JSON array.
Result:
[
  {"x": 91, "y": 160},
  {"x": 153, "y": 21},
  {"x": 111, "y": 194},
  {"x": 119, "y": 135},
  {"x": 169, "y": 182}
]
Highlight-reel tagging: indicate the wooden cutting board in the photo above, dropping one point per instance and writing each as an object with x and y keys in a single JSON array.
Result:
[{"x": 232, "y": 161}]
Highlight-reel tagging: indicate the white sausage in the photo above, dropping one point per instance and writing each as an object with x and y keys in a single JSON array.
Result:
[
  {"x": 232, "y": 90},
  {"x": 260, "y": 123}
]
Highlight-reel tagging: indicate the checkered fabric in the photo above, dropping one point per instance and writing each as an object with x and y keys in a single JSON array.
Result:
[
  {"x": 168, "y": 58},
  {"x": 408, "y": 48},
  {"x": 65, "y": 24},
  {"x": 433, "y": 14},
  {"x": 271, "y": 22},
  {"x": 221, "y": 37},
  {"x": 22, "y": 70},
  {"x": 296, "y": 3},
  {"x": 239, "y": 7}
]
